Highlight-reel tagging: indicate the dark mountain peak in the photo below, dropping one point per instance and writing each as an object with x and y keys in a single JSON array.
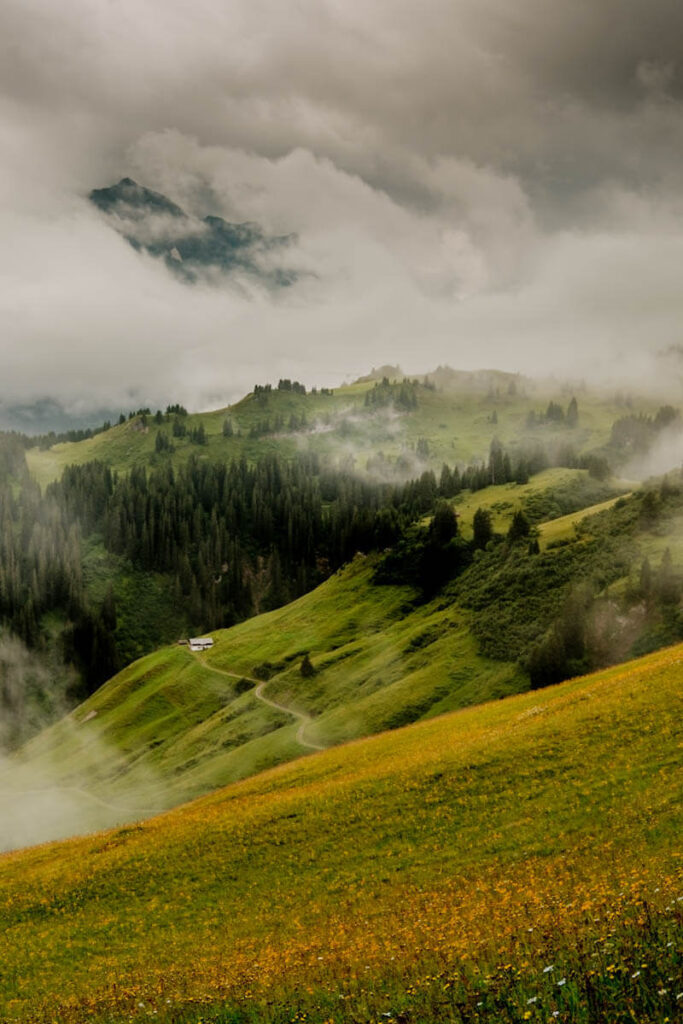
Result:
[
  {"x": 127, "y": 197},
  {"x": 187, "y": 244},
  {"x": 245, "y": 233}
]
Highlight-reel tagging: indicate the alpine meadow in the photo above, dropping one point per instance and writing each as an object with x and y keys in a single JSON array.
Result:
[{"x": 341, "y": 512}]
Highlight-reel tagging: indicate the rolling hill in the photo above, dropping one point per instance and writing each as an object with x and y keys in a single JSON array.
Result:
[
  {"x": 133, "y": 571},
  {"x": 456, "y": 414},
  {"x": 175, "y": 724},
  {"x": 103, "y": 568},
  {"x": 514, "y": 861}
]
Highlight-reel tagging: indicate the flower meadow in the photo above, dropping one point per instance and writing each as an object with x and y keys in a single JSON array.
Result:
[{"x": 515, "y": 861}]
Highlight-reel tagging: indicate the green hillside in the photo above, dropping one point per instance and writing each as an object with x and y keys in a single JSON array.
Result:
[
  {"x": 212, "y": 519},
  {"x": 380, "y": 654},
  {"x": 511, "y": 862},
  {"x": 176, "y": 724},
  {"x": 458, "y": 415}
]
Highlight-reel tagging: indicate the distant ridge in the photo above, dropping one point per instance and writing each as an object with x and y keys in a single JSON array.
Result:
[
  {"x": 191, "y": 246},
  {"x": 388, "y": 371},
  {"x": 136, "y": 197}
]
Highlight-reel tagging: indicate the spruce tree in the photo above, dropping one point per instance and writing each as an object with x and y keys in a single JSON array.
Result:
[
  {"x": 482, "y": 528},
  {"x": 572, "y": 417}
]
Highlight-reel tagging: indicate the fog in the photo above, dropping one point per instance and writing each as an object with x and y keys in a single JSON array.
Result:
[
  {"x": 478, "y": 185},
  {"x": 34, "y": 809},
  {"x": 42, "y": 797},
  {"x": 664, "y": 455}
]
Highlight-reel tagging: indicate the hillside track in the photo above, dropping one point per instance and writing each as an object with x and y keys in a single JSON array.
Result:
[{"x": 260, "y": 686}]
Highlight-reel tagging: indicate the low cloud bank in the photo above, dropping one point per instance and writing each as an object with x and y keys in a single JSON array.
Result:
[{"x": 42, "y": 797}]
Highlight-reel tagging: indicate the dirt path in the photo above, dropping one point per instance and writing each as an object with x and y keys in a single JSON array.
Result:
[{"x": 258, "y": 693}]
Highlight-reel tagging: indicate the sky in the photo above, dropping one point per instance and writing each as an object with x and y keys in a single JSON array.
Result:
[{"x": 473, "y": 182}]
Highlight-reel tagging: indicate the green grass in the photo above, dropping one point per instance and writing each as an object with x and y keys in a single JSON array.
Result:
[
  {"x": 456, "y": 422},
  {"x": 666, "y": 534},
  {"x": 515, "y": 861},
  {"x": 564, "y": 528},
  {"x": 503, "y": 500},
  {"x": 172, "y": 725}
]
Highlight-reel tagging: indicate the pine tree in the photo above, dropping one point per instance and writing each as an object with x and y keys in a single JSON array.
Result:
[
  {"x": 572, "y": 417},
  {"x": 645, "y": 578},
  {"x": 444, "y": 525},
  {"x": 307, "y": 670},
  {"x": 482, "y": 527},
  {"x": 667, "y": 584},
  {"x": 520, "y": 527},
  {"x": 108, "y": 613}
]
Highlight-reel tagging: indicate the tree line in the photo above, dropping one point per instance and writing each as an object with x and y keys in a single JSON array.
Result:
[{"x": 231, "y": 540}]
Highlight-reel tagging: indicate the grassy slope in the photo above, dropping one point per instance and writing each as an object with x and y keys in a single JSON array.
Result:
[
  {"x": 457, "y": 424},
  {"x": 507, "y": 862},
  {"x": 172, "y": 725},
  {"x": 503, "y": 500},
  {"x": 563, "y": 528}
]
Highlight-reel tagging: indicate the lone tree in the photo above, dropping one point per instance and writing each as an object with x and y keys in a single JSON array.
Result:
[
  {"x": 483, "y": 528},
  {"x": 520, "y": 527},
  {"x": 307, "y": 669},
  {"x": 573, "y": 413},
  {"x": 444, "y": 525}
]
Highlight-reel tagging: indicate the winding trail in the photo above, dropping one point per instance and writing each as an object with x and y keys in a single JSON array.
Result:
[
  {"x": 303, "y": 719},
  {"x": 135, "y": 813}
]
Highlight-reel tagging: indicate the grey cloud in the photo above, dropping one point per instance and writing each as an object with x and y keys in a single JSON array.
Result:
[
  {"x": 494, "y": 82},
  {"x": 469, "y": 183}
]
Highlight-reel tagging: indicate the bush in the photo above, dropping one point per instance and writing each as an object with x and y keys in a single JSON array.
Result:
[{"x": 307, "y": 670}]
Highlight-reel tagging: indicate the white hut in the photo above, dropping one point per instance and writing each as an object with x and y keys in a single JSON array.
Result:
[{"x": 201, "y": 643}]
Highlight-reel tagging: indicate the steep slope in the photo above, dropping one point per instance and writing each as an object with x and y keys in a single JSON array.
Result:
[
  {"x": 176, "y": 724},
  {"x": 354, "y": 657},
  {"x": 510, "y": 862}
]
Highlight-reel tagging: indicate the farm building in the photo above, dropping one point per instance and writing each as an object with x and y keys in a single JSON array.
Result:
[{"x": 201, "y": 643}]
